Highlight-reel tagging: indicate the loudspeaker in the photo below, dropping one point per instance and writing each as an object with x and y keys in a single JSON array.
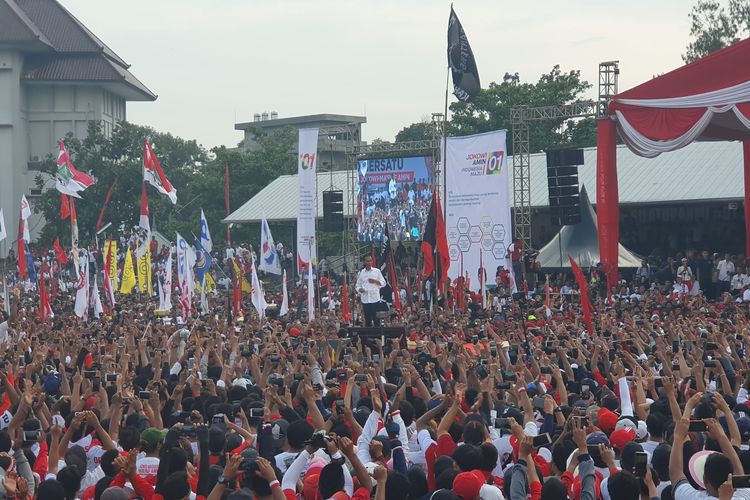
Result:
[
  {"x": 562, "y": 183},
  {"x": 333, "y": 211}
]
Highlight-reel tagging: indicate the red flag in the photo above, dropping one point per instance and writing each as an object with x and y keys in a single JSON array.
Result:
[
  {"x": 408, "y": 287},
  {"x": 607, "y": 200},
  {"x": 64, "y": 206},
  {"x": 22, "y": 270},
  {"x": 435, "y": 242},
  {"x": 584, "y": 291},
  {"x": 345, "y": 300},
  {"x": 60, "y": 254},
  {"x": 45, "y": 310},
  {"x": 106, "y": 202},
  {"x": 482, "y": 278},
  {"x": 372, "y": 254},
  {"x": 226, "y": 199}
]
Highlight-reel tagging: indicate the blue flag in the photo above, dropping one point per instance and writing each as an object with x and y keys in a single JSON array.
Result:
[
  {"x": 206, "y": 242},
  {"x": 203, "y": 261}
]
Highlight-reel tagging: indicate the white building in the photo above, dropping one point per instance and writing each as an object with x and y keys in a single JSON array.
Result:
[{"x": 55, "y": 77}]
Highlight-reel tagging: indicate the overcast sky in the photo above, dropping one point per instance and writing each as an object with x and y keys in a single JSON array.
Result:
[{"x": 214, "y": 63}]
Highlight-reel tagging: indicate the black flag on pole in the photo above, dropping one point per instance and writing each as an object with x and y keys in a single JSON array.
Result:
[{"x": 461, "y": 61}]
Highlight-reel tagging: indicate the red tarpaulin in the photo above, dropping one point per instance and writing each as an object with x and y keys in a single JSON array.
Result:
[{"x": 708, "y": 99}]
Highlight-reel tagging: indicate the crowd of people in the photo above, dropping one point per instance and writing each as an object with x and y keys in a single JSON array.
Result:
[
  {"x": 394, "y": 210},
  {"x": 507, "y": 397}
]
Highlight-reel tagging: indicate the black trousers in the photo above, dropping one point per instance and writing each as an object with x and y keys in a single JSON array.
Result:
[{"x": 370, "y": 311}]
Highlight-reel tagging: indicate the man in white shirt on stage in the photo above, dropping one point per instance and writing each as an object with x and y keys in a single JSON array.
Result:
[{"x": 369, "y": 282}]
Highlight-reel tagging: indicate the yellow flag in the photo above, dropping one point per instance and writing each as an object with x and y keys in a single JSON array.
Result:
[
  {"x": 198, "y": 286},
  {"x": 144, "y": 273},
  {"x": 245, "y": 285},
  {"x": 210, "y": 283},
  {"x": 111, "y": 256},
  {"x": 128, "y": 274}
]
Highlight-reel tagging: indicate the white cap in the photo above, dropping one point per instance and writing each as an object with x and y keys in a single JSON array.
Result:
[{"x": 642, "y": 431}]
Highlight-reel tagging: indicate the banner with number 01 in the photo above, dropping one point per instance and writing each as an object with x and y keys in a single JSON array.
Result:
[{"x": 477, "y": 203}]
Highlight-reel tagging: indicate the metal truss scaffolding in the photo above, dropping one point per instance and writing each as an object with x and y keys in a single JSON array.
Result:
[{"x": 522, "y": 116}]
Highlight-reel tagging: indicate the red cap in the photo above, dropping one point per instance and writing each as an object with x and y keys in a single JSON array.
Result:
[
  {"x": 607, "y": 420},
  {"x": 467, "y": 484},
  {"x": 294, "y": 331},
  {"x": 621, "y": 437}
]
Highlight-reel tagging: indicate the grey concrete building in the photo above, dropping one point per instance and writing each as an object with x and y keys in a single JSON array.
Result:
[
  {"x": 55, "y": 77},
  {"x": 327, "y": 147}
]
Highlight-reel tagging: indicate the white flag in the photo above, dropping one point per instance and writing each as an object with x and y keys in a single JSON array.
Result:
[
  {"x": 82, "y": 293},
  {"x": 25, "y": 214},
  {"x": 259, "y": 300},
  {"x": 269, "y": 258},
  {"x": 206, "y": 242},
  {"x": 165, "y": 290},
  {"x": 96, "y": 301},
  {"x": 284, "y": 296},
  {"x": 310, "y": 294},
  {"x": 185, "y": 279},
  {"x": 3, "y": 231}
]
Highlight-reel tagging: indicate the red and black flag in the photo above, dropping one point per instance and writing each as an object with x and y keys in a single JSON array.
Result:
[
  {"x": 435, "y": 243},
  {"x": 466, "y": 84}
]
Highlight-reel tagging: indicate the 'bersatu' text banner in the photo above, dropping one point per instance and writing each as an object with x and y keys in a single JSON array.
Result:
[
  {"x": 307, "y": 199},
  {"x": 477, "y": 204}
]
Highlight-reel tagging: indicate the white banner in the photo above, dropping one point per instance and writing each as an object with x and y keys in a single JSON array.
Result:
[
  {"x": 307, "y": 199},
  {"x": 185, "y": 279},
  {"x": 477, "y": 202}
]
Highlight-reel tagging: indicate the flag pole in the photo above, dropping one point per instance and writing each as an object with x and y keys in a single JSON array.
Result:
[{"x": 444, "y": 147}]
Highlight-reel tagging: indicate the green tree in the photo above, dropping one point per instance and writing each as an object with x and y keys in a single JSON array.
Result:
[
  {"x": 490, "y": 110},
  {"x": 713, "y": 27},
  {"x": 197, "y": 174},
  {"x": 419, "y": 131}
]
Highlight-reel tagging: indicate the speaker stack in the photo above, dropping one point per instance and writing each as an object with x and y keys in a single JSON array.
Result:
[
  {"x": 562, "y": 182},
  {"x": 333, "y": 211}
]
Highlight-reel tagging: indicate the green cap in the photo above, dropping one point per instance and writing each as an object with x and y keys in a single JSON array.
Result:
[{"x": 153, "y": 436}]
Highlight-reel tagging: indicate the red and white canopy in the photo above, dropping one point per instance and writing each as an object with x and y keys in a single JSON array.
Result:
[{"x": 708, "y": 99}]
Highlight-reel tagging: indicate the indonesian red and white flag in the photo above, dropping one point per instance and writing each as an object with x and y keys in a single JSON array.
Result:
[
  {"x": 143, "y": 220},
  {"x": 547, "y": 301},
  {"x": 68, "y": 180},
  {"x": 154, "y": 174},
  {"x": 144, "y": 223}
]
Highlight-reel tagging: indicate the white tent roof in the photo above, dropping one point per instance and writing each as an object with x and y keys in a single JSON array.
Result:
[{"x": 581, "y": 242}]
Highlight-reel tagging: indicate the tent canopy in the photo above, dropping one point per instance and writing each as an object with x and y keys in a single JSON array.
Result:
[
  {"x": 708, "y": 99},
  {"x": 581, "y": 243}
]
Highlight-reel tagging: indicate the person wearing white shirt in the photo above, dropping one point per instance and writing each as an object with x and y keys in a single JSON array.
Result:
[
  {"x": 369, "y": 282},
  {"x": 726, "y": 270},
  {"x": 740, "y": 280}
]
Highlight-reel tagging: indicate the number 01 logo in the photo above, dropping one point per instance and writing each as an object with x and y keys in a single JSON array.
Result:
[{"x": 494, "y": 163}]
